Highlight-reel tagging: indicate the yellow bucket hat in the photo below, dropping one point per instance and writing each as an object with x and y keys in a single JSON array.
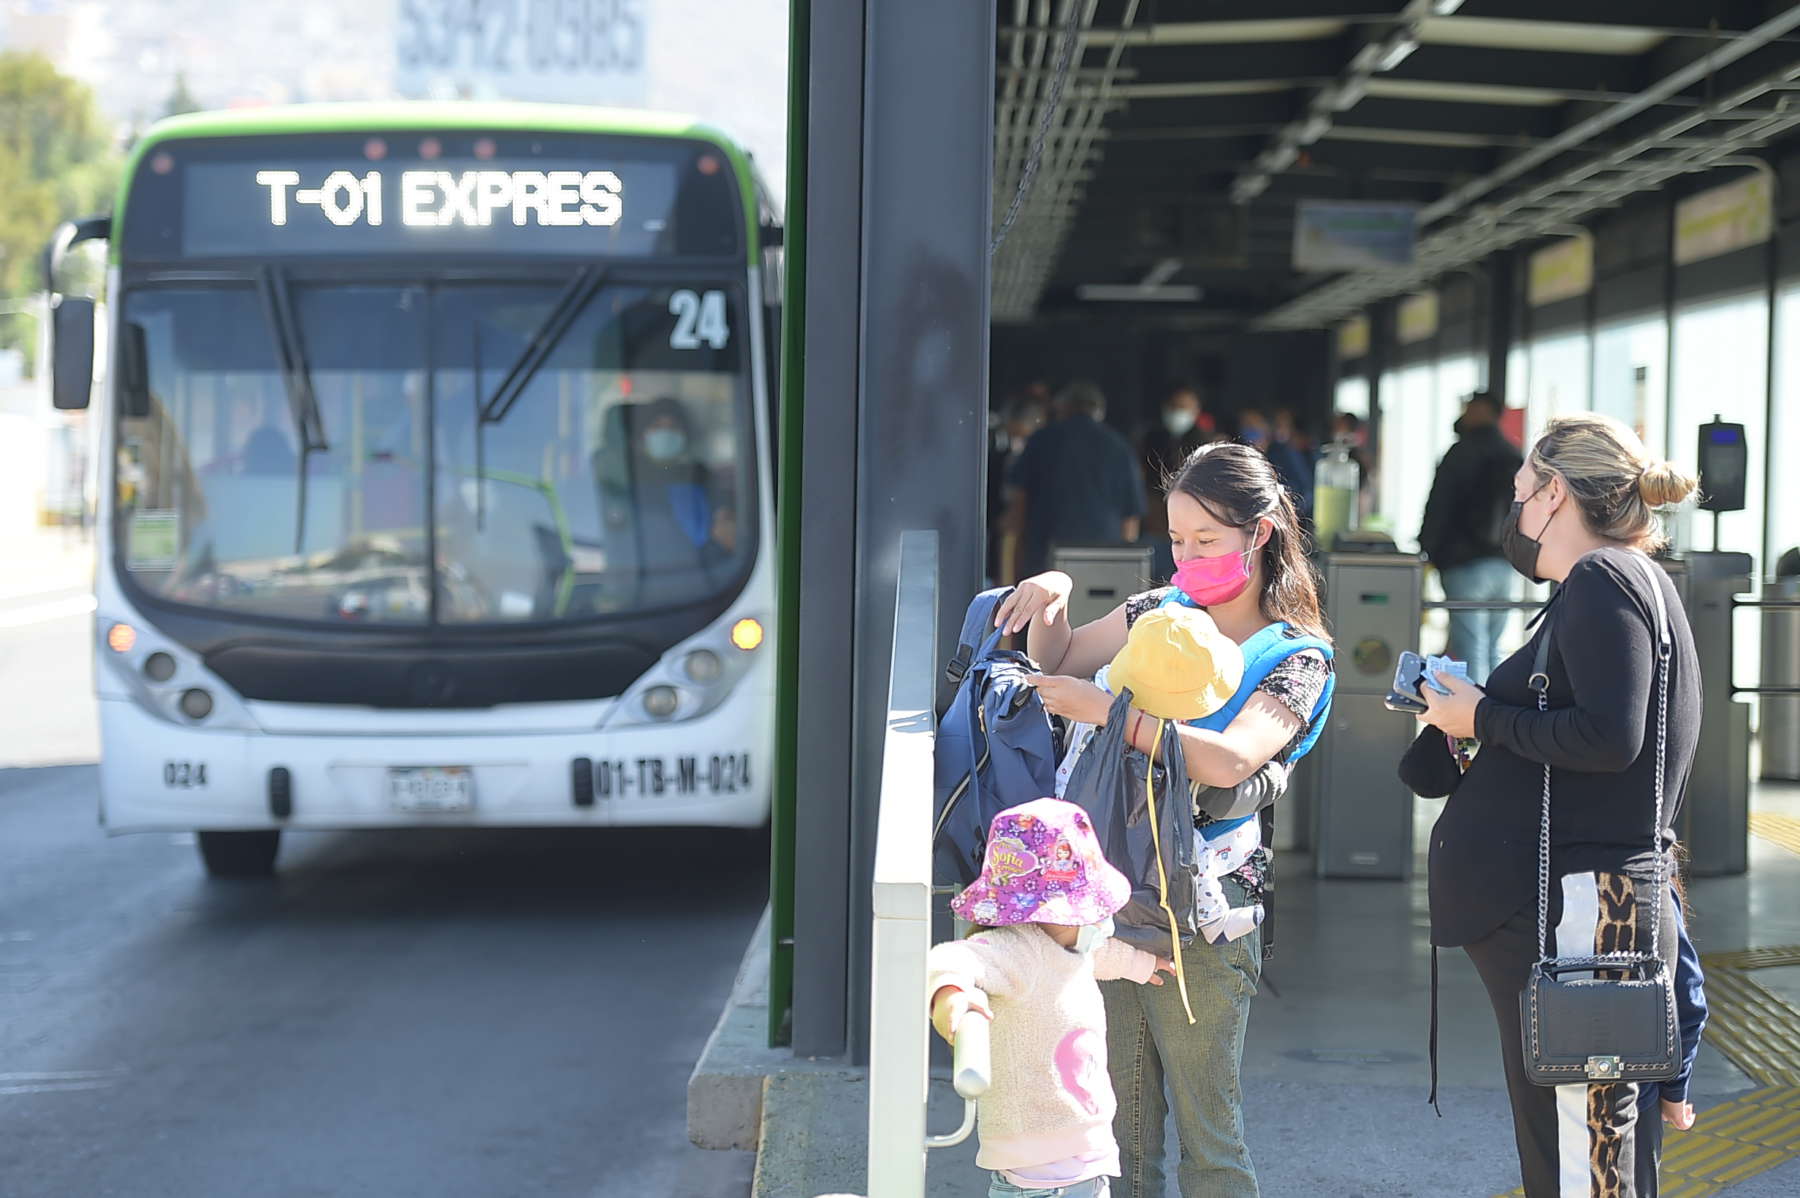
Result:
[{"x": 1177, "y": 665}]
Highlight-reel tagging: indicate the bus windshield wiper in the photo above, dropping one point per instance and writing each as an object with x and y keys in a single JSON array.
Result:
[
  {"x": 569, "y": 305},
  {"x": 296, "y": 378}
]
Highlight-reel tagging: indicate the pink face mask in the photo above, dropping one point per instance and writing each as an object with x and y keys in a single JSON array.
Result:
[{"x": 1210, "y": 581}]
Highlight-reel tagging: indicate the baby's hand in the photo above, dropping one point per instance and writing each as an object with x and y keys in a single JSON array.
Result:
[
  {"x": 1678, "y": 1115},
  {"x": 948, "y": 1007},
  {"x": 1163, "y": 965}
]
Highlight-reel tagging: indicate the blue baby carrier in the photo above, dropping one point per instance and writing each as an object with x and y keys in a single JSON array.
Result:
[
  {"x": 1262, "y": 653},
  {"x": 996, "y": 747}
]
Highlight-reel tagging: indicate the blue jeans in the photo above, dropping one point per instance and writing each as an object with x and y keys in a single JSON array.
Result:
[
  {"x": 1150, "y": 1046},
  {"x": 1096, "y": 1188},
  {"x": 1475, "y": 635}
]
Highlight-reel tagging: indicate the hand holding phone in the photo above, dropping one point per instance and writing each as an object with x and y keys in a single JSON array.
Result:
[{"x": 1409, "y": 675}]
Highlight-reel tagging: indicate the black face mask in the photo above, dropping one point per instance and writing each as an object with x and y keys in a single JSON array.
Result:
[{"x": 1520, "y": 550}]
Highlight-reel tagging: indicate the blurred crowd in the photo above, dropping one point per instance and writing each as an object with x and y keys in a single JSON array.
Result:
[{"x": 1061, "y": 474}]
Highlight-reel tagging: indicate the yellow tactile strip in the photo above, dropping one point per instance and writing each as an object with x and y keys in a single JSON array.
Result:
[
  {"x": 1760, "y": 1033},
  {"x": 1731, "y": 1142},
  {"x": 1751, "y": 1025},
  {"x": 1783, "y": 830}
]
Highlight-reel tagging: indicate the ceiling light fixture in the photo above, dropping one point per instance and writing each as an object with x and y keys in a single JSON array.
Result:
[
  {"x": 1165, "y": 293},
  {"x": 1444, "y": 8},
  {"x": 1312, "y": 129},
  {"x": 1350, "y": 92},
  {"x": 1278, "y": 158},
  {"x": 1398, "y": 49}
]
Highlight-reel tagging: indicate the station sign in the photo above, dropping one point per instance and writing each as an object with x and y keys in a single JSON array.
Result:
[
  {"x": 1417, "y": 319},
  {"x": 1353, "y": 339},
  {"x": 558, "y": 51},
  {"x": 1724, "y": 219},
  {"x": 1332, "y": 235},
  {"x": 1561, "y": 271}
]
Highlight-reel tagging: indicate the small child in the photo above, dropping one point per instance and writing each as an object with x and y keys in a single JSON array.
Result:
[
  {"x": 1179, "y": 666},
  {"x": 1044, "y": 903}
]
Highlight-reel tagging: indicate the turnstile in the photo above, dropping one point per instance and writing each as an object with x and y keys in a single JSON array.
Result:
[
  {"x": 1362, "y": 816},
  {"x": 1779, "y": 728},
  {"x": 1715, "y": 818},
  {"x": 1105, "y": 576}
]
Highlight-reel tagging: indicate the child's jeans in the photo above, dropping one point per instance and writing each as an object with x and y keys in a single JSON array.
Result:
[{"x": 1093, "y": 1188}]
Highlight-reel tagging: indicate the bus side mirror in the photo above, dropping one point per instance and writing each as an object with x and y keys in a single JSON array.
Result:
[
  {"x": 134, "y": 372},
  {"x": 71, "y": 352}
]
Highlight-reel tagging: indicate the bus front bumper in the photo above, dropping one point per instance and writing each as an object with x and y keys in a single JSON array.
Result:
[{"x": 157, "y": 776}]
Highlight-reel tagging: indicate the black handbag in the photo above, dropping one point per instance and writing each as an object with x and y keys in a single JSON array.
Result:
[{"x": 1605, "y": 1017}]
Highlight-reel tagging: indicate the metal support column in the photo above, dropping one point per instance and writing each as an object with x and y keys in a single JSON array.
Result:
[
  {"x": 899, "y": 162},
  {"x": 827, "y": 592}
]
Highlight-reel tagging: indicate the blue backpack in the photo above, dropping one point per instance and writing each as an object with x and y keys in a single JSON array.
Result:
[{"x": 996, "y": 747}]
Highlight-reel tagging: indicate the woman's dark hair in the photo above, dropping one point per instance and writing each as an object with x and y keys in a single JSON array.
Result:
[{"x": 1238, "y": 486}]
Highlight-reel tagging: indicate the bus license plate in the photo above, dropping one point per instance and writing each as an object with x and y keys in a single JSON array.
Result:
[{"x": 432, "y": 788}]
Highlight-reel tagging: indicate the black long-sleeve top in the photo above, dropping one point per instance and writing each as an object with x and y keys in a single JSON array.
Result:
[{"x": 1599, "y": 737}]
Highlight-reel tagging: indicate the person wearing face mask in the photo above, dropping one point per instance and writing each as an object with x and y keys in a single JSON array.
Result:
[
  {"x": 1240, "y": 555},
  {"x": 1461, "y": 532},
  {"x": 663, "y": 509},
  {"x": 1582, "y": 515},
  {"x": 1182, "y": 426}
]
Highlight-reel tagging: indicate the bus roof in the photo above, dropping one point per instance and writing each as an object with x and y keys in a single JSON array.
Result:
[{"x": 419, "y": 114}]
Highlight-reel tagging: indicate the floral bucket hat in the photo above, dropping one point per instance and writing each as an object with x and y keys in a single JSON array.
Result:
[{"x": 1042, "y": 865}]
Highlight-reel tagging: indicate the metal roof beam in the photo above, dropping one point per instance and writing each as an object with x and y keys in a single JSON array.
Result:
[{"x": 1680, "y": 18}]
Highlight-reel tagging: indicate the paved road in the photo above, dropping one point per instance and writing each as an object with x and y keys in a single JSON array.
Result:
[{"x": 435, "y": 1013}]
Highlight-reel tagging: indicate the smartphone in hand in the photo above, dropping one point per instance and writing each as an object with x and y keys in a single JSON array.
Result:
[{"x": 1409, "y": 676}]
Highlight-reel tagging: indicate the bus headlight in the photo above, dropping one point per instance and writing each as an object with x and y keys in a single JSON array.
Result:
[
  {"x": 747, "y": 634},
  {"x": 661, "y": 701},
  {"x": 196, "y": 704},
  {"x": 703, "y": 666}
]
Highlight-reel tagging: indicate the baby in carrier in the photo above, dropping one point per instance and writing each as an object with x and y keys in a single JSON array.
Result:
[{"x": 1179, "y": 666}]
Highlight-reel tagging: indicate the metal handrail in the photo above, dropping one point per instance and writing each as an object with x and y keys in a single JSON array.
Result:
[
  {"x": 971, "y": 1073},
  {"x": 899, "y": 1022}
]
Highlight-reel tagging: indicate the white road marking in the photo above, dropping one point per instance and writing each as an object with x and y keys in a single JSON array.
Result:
[
  {"x": 68, "y": 1082},
  {"x": 43, "y": 613}
]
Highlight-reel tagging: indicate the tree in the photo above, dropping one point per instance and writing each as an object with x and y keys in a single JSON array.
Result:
[
  {"x": 57, "y": 163},
  {"x": 180, "y": 99}
]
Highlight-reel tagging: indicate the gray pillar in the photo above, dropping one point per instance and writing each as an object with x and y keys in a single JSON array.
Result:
[{"x": 900, "y": 160}]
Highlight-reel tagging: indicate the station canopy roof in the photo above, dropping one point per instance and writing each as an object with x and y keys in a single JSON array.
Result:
[{"x": 1185, "y": 134}]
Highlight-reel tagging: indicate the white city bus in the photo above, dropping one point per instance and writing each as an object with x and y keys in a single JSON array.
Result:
[{"x": 435, "y": 481}]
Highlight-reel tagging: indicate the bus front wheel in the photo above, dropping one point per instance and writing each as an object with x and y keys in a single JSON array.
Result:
[{"x": 239, "y": 854}]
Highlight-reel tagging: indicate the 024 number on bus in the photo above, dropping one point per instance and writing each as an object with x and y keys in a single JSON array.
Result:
[{"x": 654, "y": 777}]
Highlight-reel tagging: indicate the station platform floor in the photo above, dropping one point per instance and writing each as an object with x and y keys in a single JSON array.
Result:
[{"x": 1335, "y": 1072}]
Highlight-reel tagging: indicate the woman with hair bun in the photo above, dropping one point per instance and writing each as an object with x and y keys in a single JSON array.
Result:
[{"x": 1583, "y": 514}]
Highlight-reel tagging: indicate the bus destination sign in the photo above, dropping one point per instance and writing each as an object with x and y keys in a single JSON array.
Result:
[
  {"x": 521, "y": 195},
  {"x": 433, "y": 198},
  {"x": 474, "y": 207}
]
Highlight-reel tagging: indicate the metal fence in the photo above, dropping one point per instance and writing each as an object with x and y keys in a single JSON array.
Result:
[{"x": 899, "y": 1025}]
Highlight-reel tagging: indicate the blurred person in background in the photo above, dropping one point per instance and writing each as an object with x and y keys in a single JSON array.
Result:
[
  {"x": 1182, "y": 426},
  {"x": 1075, "y": 483},
  {"x": 1291, "y": 466},
  {"x": 1022, "y": 416},
  {"x": 1470, "y": 496},
  {"x": 1291, "y": 453}
]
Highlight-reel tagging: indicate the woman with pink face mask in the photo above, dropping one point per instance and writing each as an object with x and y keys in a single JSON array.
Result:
[{"x": 1239, "y": 554}]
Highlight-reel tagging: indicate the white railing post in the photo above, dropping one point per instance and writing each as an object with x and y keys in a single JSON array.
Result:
[{"x": 899, "y": 1025}]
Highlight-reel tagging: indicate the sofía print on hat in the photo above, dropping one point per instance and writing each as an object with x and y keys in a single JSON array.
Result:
[{"x": 1042, "y": 865}]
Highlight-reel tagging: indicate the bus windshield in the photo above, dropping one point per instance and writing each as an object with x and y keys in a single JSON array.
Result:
[{"x": 446, "y": 452}]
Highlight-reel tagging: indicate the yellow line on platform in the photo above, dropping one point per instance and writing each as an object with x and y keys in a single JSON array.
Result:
[
  {"x": 1783, "y": 830},
  {"x": 1732, "y": 1142}
]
